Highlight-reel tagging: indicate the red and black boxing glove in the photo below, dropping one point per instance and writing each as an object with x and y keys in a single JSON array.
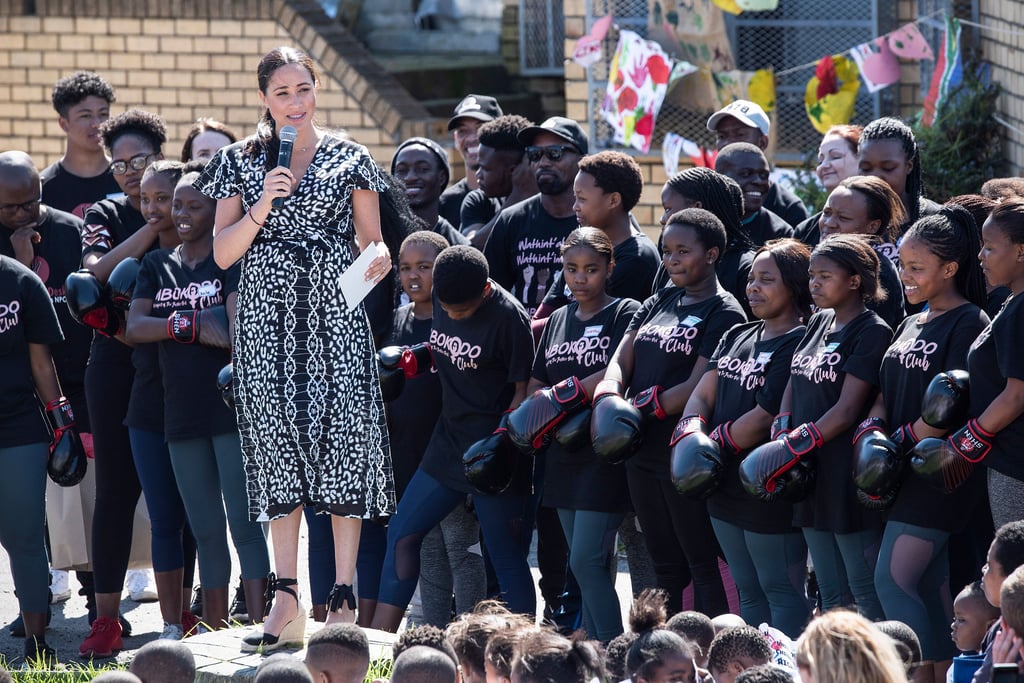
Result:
[
  {"x": 648, "y": 402},
  {"x": 781, "y": 425},
  {"x": 395, "y": 364},
  {"x": 531, "y": 425},
  {"x": 722, "y": 435},
  {"x": 67, "y": 462},
  {"x": 763, "y": 472},
  {"x": 490, "y": 464},
  {"x": 695, "y": 465},
  {"x": 947, "y": 463},
  {"x": 183, "y": 326}
]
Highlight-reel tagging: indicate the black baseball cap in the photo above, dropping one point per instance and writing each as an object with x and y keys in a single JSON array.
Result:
[
  {"x": 567, "y": 129},
  {"x": 479, "y": 107}
]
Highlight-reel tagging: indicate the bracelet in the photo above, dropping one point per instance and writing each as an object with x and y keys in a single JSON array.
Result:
[{"x": 253, "y": 218}]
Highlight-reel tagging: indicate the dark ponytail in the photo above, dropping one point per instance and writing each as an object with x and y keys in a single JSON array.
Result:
[{"x": 953, "y": 236}]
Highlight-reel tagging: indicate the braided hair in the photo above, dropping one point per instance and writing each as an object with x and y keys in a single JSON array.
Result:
[
  {"x": 718, "y": 194},
  {"x": 889, "y": 128},
  {"x": 953, "y": 236}
]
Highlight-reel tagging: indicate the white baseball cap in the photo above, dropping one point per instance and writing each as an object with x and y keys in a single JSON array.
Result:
[{"x": 746, "y": 112}]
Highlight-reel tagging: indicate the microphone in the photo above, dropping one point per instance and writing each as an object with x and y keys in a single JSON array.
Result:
[{"x": 284, "y": 157}]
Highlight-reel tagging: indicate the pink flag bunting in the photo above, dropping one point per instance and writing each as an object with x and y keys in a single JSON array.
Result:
[
  {"x": 907, "y": 42},
  {"x": 588, "y": 48},
  {"x": 878, "y": 65}
]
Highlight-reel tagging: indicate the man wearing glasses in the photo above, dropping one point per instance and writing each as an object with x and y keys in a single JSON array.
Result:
[{"x": 523, "y": 251}]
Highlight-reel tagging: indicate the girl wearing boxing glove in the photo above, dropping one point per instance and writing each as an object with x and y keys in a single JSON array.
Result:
[
  {"x": 591, "y": 497},
  {"x": 938, "y": 268},
  {"x": 201, "y": 432},
  {"x": 833, "y": 379},
  {"x": 656, "y": 365},
  {"x": 738, "y": 396}
]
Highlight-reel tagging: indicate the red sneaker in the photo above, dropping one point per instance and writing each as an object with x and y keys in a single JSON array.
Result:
[
  {"x": 189, "y": 622},
  {"x": 104, "y": 639}
]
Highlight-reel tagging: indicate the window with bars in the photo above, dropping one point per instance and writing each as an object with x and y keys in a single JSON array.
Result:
[
  {"x": 541, "y": 38},
  {"x": 796, "y": 33}
]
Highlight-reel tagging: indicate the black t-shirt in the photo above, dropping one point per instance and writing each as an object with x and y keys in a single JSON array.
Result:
[
  {"x": 733, "y": 270},
  {"x": 58, "y": 254},
  {"x": 995, "y": 299},
  {"x": 808, "y": 231},
  {"x": 636, "y": 263},
  {"x": 919, "y": 352},
  {"x": 783, "y": 202},
  {"x": 669, "y": 338},
  {"x": 477, "y": 209},
  {"x": 413, "y": 415},
  {"x": 751, "y": 372},
  {"x": 573, "y": 347},
  {"x": 765, "y": 225},
  {"x": 193, "y": 406},
  {"x": 995, "y": 356},
  {"x": 478, "y": 360},
  {"x": 820, "y": 365},
  {"x": 893, "y": 308},
  {"x": 74, "y": 194},
  {"x": 451, "y": 201},
  {"x": 108, "y": 223},
  {"x": 146, "y": 402},
  {"x": 524, "y": 250},
  {"x": 445, "y": 230},
  {"x": 26, "y": 317}
]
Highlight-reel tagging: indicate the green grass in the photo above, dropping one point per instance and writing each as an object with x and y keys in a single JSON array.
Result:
[{"x": 63, "y": 673}]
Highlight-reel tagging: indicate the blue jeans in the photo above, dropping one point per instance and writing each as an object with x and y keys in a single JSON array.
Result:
[
  {"x": 22, "y": 514},
  {"x": 506, "y": 523},
  {"x": 591, "y": 539},
  {"x": 210, "y": 476},
  {"x": 166, "y": 510},
  {"x": 770, "y": 572},
  {"x": 852, "y": 556}
]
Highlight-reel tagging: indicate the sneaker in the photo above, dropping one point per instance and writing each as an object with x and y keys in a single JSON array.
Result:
[
  {"x": 60, "y": 586},
  {"x": 104, "y": 639},
  {"x": 190, "y": 625},
  {"x": 38, "y": 654},
  {"x": 239, "y": 609},
  {"x": 196, "y": 607},
  {"x": 141, "y": 585},
  {"x": 172, "y": 632}
]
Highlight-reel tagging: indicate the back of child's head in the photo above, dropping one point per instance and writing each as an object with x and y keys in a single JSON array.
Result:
[
  {"x": 908, "y": 645},
  {"x": 340, "y": 650},
  {"x": 282, "y": 668},
  {"x": 765, "y": 673},
  {"x": 501, "y": 650},
  {"x": 163, "y": 661},
  {"x": 1008, "y": 544},
  {"x": 424, "y": 635},
  {"x": 727, "y": 620},
  {"x": 999, "y": 189},
  {"x": 743, "y": 645},
  {"x": 469, "y": 634},
  {"x": 615, "y": 655},
  {"x": 1011, "y": 597},
  {"x": 422, "y": 664},
  {"x": 460, "y": 274},
  {"x": 546, "y": 657},
  {"x": 696, "y": 628}
]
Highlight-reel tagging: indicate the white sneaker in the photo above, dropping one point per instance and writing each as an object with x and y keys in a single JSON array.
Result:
[
  {"x": 60, "y": 587},
  {"x": 171, "y": 632},
  {"x": 141, "y": 585}
]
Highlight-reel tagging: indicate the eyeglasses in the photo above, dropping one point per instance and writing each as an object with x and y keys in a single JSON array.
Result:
[
  {"x": 552, "y": 152},
  {"x": 27, "y": 207},
  {"x": 137, "y": 163}
]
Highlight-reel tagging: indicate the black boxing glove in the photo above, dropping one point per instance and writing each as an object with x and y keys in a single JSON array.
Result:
[
  {"x": 947, "y": 463},
  {"x": 122, "y": 283},
  {"x": 491, "y": 462},
  {"x": 225, "y": 382},
  {"x": 649, "y": 403},
  {"x": 89, "y": 303},
  {"x": 183, "y": 326},
  {"x": 616, "y": 431},
  {"x": 877, "y": 503},
  {"x": 722, "y": 435},
  {"x": 696, "y": 461},
  {"x": 878, "y": 462},
  {"x": 782, "y": 423},
  {"x": 395, "y": 364},
  {"x": 66, "y": 464},
  {"x": 531, "y": 424},
  {"x": 761, "y": 472},
  {"x": 573, "y": 434},
  {"x": 946, "y": 400}
]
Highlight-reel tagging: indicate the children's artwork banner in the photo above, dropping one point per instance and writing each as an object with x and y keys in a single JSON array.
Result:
[{"x": 637, "y": 84}]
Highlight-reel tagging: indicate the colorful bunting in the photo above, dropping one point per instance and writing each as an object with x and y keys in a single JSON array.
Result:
[
  {"x": 948, "y": 74},
  {"x": 757, "y": 86},
  {"x": 637, "y": 85},
  {"x": 675, "y": 145},
  {"x": 878, "y": 65},
  {"x": 588, "y": 48},
  {"x": 831, "y": 93},
  {"x": 907, "y": 42},
  {"x": 729, "y": 6}
]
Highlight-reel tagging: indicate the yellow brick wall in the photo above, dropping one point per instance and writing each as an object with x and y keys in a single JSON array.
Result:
[
  {"x": 181, "y": 69},
  {"x": 1003, "y": 46}
]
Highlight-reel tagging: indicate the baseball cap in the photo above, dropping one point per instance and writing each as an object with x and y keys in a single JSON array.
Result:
[
  {"x": 479, "y": 107},
  {"x": 567, "y": 129},
  {"x": 744, "y": 111}
]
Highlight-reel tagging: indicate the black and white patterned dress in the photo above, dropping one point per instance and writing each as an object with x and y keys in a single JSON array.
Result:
[{"x": 308, "y": 399}]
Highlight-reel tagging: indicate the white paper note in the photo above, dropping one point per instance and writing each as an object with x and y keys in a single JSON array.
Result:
[{"x": 354, "y": 286}]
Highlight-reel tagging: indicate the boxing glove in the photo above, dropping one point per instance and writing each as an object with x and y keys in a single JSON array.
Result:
[
  {"x": 225, "y": 382},
  {"x": 761, "y": 472},
  {"x": 946, "y": 400},
  {"x": 878, "y": 462},
  {"x": 490, "y": 463},
  {"x": 207, "y": 326},
  {"x": 395, "y": 364},
  {"x": 877, "y": 503},
  {"x": 782, "y": 423},
  {"x": 722, "y": 435},
  {"x": 696, "y": 462},
  {"x": 649, "y": 404},
  {"x": 122, "y": 283},
  {"x": 67, "y": 462},
  {"x": 531, "y": 424},
  {"x": 90, "y": 304},
  {"x": 947, "y": 463},
  {"x": 905, "y": 439},
  {"x": 573, "y": 434},
  {"x": 616, "y": 431}
]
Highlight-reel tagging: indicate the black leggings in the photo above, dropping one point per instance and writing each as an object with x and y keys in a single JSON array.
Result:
[
  {"x": 107, "y": 389},
  {"x": 679, "y": 535}
]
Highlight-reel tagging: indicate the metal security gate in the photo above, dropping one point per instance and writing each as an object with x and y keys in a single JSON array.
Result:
[
  {"x": 541, "y": 38},
  {"x": 798, "y": 32}
]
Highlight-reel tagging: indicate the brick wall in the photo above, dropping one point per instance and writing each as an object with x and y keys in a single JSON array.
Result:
[
  {"x": 182, "y": 69},
  {"x": 1004, "y": 48}
]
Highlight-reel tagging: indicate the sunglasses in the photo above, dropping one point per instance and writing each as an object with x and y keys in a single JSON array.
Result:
[
  {"x": 137, "y": 163},
  {"x": 552, "y": 152}
]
